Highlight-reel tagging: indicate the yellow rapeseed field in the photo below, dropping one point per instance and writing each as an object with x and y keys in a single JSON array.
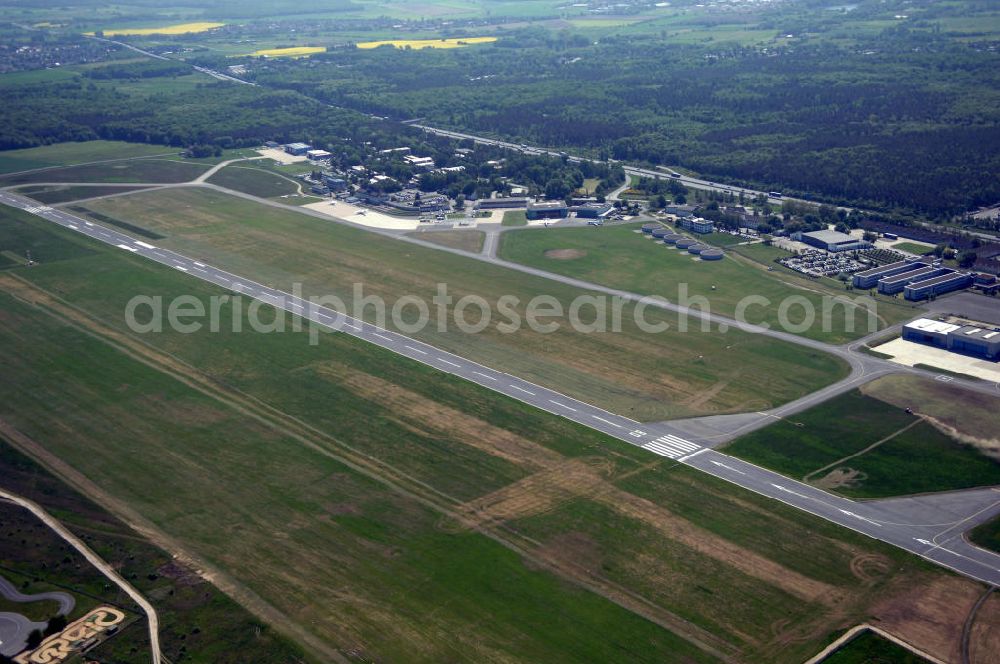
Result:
[
  {"x": 290, "y": 52},
  {"x": 178, "y": 29},
  {"x": 454, "y": 42}
]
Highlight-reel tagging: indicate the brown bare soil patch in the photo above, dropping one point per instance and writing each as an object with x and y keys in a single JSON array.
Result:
[
  {"x": 565, "y": 254},
  {"x": 417, "y": 410},
  {"x": 717, "y": 548},
  {"x": 869, "y": 568},
  {"x": 928, "y": 613},
  {"x": 580, "y": 547},
  {"x": 539, "y": 493},
  {"x": 839, "y": 478},
  {"x": 970, "y": 416},
  {"x": 984, "y": 639}
]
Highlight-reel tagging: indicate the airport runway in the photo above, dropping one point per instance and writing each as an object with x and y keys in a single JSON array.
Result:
[{"x": 929, "y": 526}]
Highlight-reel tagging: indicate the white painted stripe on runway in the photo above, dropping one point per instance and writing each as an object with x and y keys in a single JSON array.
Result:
[
  {"x": 666, "y": 446},
  {"x": 691, "y": 456},
  {"x": 127, "y": 248},
  {"x": 181, "y": 268},
  {"x": 382, "y": 336},
  {"x": 416, "y": 350},
  {"x": 449, "y": 362},
  {"x": 144, "y": 244},
  {"x": 680, "y": 442},
  {"x": 562, "y": 405},
  {"x": 673, "y": 454},
  {"x": 606, "y": 421},
  {"x": 480, "y": 373},
  {"x": 199, "y": 264},
  {"x": 521, "y": 389},
  {"x": 353, "y": 327}
]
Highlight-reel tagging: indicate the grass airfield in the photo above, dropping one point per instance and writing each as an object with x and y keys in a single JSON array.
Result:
[{"x": 377, "y": 506}]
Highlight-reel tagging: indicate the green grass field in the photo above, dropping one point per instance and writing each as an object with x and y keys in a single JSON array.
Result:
[
  {"x": 68, "y": 154},
  {"x": 643, "y": 375},
  {"x": 139, "y": 170},
  {"x": 514, "y": 218},
  {"x": 254, "y": 181},
  {"x": 913, "y": 248},
  {"x": 912, "y": 457},
  {"x": 342, "y": 484},
  {"x": 870, "y": 648},
  {"x": 619, "y": 257},
  {"x": 56, "y": 194},
  {"x": 465, "y": 240},
  {"x": 987, "y": 535}
]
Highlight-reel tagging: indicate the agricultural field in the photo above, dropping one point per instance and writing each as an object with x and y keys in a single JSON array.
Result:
[
  {"x": 69, "y": 154},
  {"x": 255, "y": 181},
  {"x": 175, "y": 29},
  {"x": 620, "y": 257},
  {"x": 458, "y": 42},
  {"x": 464, "y": 240},
  {"x": 862, "y": 446},
  {"x": 290, "y": 51},
  {"x": 670, "y": 373},
  {"x": 139, "y": 170},
  {"x": 364, "y": 503},
  {"x": 197, "y": 622}
]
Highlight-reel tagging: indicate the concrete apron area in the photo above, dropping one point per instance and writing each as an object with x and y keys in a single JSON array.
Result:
[{"x": 909, "y": 354}]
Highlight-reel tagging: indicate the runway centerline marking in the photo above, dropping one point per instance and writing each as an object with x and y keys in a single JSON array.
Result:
[
  {"x": 562, "y": 405},
  {"x": 449, "y": 362},
  {"x": 521, "y": 389},
  {"x": 480, "y": 373},
  {"x": 416, "y": 350},
  {"x": 601, "y": 419}
]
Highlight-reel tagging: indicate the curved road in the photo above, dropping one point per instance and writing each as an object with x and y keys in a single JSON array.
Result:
[{"x": 99, "y": 563}]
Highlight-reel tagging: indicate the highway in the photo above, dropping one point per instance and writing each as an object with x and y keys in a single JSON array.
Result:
[
  {"x": 929, "y": 526},
  {"x": 629, "y": 170}
]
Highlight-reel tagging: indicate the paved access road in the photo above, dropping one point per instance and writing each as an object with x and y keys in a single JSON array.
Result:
[
  {"x": 14, "y": 627},
  {"x": 928, "y": 527}
]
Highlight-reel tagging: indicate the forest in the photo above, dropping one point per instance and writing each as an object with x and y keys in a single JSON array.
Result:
[{"x": 907, "y": 121}]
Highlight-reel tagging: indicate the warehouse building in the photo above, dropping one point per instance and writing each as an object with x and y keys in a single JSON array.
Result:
[
  {"x": 937, "y": 285},
  {"x": 930, "y": 332},
  {"x": 547, "y": 210},
  {"x": 593, "y": 210},
  {"x": 297, "y": 149},
  {"x": 495, "y": 203},
  {"x": 832, "y": 241},
  {"x": 972, "y": 340},
  {"x": 896, "y": 284},
  {"x": 318, "y": 155},
  {"x": 870, "y": 277}
]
